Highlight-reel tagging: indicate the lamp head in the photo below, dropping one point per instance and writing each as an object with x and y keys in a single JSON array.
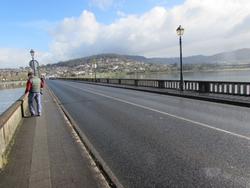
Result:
[
  {"x": 180, "y": 30},
  {"x": 32, "y": 53}
]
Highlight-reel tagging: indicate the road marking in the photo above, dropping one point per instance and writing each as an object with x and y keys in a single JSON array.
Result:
[{"x": 164, "y": 113}]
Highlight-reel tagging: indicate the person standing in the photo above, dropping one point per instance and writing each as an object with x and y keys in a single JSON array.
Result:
[{"x": 34, "y": 88}]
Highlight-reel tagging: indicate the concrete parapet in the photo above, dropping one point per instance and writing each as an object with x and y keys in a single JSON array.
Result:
[{"x": 9, "y": 122}]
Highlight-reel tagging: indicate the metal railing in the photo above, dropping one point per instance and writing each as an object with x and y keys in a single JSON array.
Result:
[{"x": 219, "y": 87}]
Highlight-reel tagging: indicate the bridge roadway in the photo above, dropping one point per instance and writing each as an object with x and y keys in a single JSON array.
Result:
[{"x": 152, "y": 140}]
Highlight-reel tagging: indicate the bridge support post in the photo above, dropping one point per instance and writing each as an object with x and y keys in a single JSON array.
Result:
[
  {"x": 161, "y": 84},
  {"x": 136, "y": 83},
  {"x": 204, "y": 87}
]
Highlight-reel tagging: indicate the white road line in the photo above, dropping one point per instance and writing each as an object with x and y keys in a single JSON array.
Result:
[{"x": 165, "y": 113}]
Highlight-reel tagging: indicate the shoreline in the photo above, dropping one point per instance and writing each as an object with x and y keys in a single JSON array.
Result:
[
  {"x": 12, "y": 85},
  {"x": 222, "y": 70},
  {"x": 195, "y": 71}
]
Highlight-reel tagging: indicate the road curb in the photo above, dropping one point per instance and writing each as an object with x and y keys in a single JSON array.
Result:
[{"x": 111, "y": 179}]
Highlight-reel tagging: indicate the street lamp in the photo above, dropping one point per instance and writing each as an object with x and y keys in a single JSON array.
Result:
[
  {"x": 34, "y": 63},
  {"x": 180, "y": 32}
]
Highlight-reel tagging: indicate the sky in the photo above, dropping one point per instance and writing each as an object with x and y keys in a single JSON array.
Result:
[{"x": 62, "y": 30}]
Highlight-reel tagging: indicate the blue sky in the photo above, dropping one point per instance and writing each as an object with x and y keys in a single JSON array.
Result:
[
  {"x": 62, "y": 30},
  {"x": 23, "y": 20}
]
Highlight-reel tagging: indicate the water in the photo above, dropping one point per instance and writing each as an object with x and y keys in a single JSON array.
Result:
[
  {"x": 236, "y": 75},
  {"x": 8, "y": 97}
]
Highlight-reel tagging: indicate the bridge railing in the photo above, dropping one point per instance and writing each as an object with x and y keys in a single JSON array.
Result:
[
  {"x": 231, "y": 88},
  {"x": 9, "y": 121},
  {"x": 219, "y": 87}
]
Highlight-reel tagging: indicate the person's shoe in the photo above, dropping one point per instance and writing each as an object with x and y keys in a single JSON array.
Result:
[
  {"x": 39, "y": 114},
  {"x": 32, "y": 115}
]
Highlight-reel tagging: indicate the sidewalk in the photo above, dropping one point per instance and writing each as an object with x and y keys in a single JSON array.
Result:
[{"x": 46, "y": 154}]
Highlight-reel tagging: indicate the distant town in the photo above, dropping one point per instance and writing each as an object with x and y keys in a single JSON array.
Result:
[{"x": 119, "y": 66}]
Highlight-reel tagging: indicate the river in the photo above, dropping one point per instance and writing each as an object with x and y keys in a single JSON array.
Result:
[
  {"x": 235, "y": 75},
  {"x": 8, "y": 97}
]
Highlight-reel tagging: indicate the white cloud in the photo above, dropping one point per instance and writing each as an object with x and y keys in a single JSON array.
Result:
[
  {"x": 102, "y": 4},
  {"x": 210, "y": 27},
  {"x": 14, "y": 58},
  {"x": 121, "y": 14},
  {"x": 73, "y": 33},
  {"x": 106, "y": 5}
]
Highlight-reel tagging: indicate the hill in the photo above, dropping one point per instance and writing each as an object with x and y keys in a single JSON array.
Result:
[{"x": 241, "y": 56}]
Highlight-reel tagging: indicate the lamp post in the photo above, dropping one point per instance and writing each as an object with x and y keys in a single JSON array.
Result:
[
  {"x": 180, "y": 32},
  {"x": 136, "y": 73},
  {"x": 34, "y": 63},
  {"x": 95, "y": 66}
]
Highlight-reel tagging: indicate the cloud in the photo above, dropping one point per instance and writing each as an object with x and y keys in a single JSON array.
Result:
[
  {"x": 74, "y": 34},
  {"x": 242, "y": 27},
  {"x": 105, "y": 5},
  {"x": 14, "y": 58},
  {"x": 120, "y": 14},
  {"x": 206, "y": 22},
  {"x": 102, "y": 4}
]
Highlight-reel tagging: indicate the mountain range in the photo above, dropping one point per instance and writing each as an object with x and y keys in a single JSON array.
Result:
[{"x": 236, "y": 57}]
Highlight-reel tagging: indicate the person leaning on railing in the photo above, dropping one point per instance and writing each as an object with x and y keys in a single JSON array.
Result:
[{"x": 34, "y": 88}]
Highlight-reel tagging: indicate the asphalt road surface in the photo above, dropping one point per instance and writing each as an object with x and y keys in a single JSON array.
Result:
[{"x": 152, "y": 140}]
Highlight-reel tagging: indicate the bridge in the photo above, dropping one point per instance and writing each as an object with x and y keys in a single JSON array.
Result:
[{"x": 129, "y": 133}]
